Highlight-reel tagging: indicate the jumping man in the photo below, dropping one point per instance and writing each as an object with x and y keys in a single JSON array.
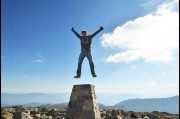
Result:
[{"x": 85, "y": 40}]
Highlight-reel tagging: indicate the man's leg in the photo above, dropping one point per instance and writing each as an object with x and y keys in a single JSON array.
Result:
[
  {"x": 80, "y": 60},
  {"x": 89, "y": 57}
]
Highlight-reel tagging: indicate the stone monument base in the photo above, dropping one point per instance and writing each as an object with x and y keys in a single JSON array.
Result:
[{"x": 83, "y": 103}]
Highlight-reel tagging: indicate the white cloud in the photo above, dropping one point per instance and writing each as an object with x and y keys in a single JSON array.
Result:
[
  {"x": 164, "y": 73},
  {"x": 152, "y": 37},
  {"x": 39, "y": 59},
  {"x": 144, "y": 73},
  {"x": 153, "y": 83}
]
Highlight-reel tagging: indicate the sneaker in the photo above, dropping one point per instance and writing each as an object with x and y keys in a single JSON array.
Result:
[
  {"x": 77, "y": 76},
  {"x": 94, "y": 75}
]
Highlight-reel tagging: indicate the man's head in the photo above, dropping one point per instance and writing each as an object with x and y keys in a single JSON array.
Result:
[{"x": 84, "y": 33}]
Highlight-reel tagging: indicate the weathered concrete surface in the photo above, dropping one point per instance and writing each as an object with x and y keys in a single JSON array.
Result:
[{"x": 83, "y": 103}]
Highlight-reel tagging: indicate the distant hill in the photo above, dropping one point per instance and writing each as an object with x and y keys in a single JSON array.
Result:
[
  {"x": 170, "y": 105},
  {"x": 33, "y": 99}
]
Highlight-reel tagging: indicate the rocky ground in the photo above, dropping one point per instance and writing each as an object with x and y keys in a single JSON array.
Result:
[{"x": 20, "y": 112}]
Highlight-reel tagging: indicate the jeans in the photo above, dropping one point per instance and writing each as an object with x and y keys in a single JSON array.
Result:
[{"x": 82, "y": 55}]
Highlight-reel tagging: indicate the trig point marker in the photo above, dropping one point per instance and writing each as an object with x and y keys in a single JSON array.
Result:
[{"x": 83, "y": 103}]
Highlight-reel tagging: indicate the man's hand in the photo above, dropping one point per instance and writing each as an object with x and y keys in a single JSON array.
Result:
[
  {"x": 101, "y": 28},
  {"x": 72, "y": 29}
]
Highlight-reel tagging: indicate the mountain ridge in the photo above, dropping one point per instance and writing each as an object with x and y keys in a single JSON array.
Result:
[
  {"x": 169, "y": 104},
  {"x": 136, "y": 104}
]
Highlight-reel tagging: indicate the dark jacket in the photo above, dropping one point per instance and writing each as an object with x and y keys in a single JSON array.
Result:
[{"x": 86, "y": 41}]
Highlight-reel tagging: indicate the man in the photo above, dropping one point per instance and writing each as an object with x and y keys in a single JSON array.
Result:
[{"x": 85, "y": 40}]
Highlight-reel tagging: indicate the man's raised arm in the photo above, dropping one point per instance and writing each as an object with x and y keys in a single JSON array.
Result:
[
  {"x": 75, "y": 33},
  {"x": 101, "y": 28}
]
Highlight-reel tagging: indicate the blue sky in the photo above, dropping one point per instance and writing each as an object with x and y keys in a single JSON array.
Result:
[{"x": 137, "y": 53}]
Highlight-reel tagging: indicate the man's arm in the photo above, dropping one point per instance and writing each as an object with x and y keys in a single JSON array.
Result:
[
  {"x": 75, "y": 33},
  {"x": 101, "y": 28}
]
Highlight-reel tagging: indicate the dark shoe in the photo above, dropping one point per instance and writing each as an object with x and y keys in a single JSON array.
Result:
[
  {"x": 94, "y": 75},
  {"x": 77, "y": 76}
]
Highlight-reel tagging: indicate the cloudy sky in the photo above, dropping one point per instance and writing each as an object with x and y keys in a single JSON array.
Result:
[{"x": 137, "y": 53}]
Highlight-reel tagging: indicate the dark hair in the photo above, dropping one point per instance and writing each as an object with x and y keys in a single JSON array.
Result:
[{"x": 83, "y": 32}]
